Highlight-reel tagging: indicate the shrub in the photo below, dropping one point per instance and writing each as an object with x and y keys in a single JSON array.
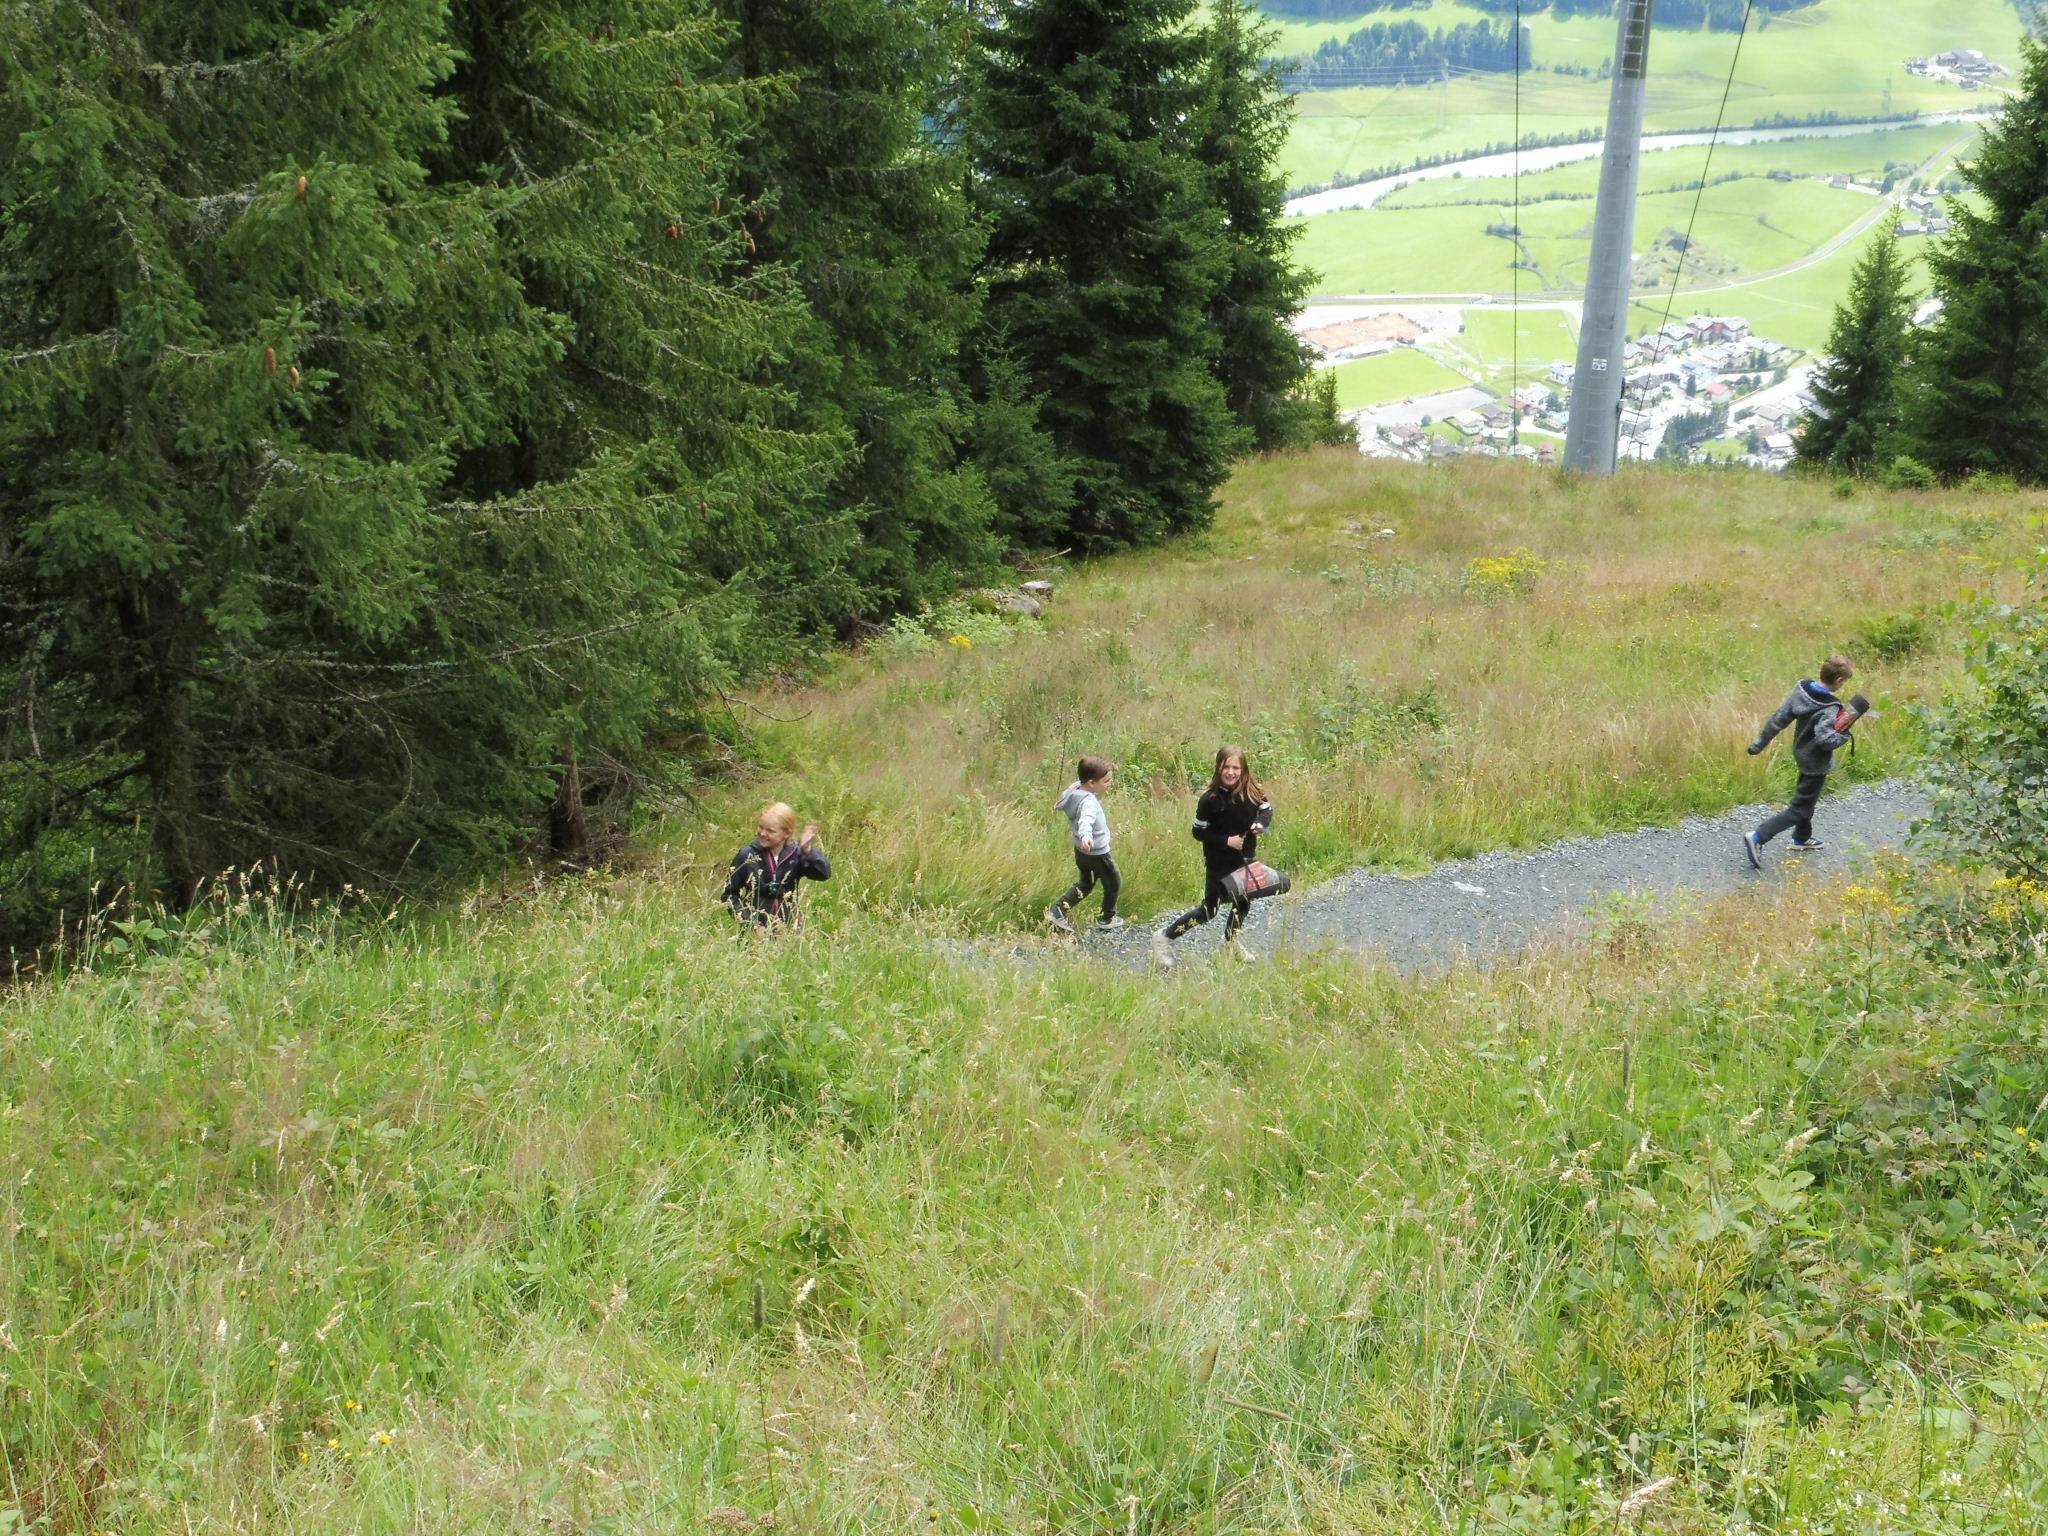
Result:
[
  {"x": 1357, "y": 720},
  {"x": 957, "y": 623},
  {"x": 1988, "y": 482},
  {"x": 1894, "y": 637},
  {"x": 1906, "y": 473},
  {"x": 1988, "y": 747}
]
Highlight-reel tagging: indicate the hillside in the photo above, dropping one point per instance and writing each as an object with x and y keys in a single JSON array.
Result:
[
  {"x": 1519, "y": 659},
  {"x": 570, "y": 1209}
]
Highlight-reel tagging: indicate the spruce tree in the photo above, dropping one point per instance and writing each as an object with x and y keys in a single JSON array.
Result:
[
  {"x": 852, "y": 187},
  {"x": 1976, "y": 393},
  {"x": 1242, "y": 128},
  {"x": 1105, "y": 253},
  {"x": 649, "y": 492},
  {"x": 1856, "y": 395},
  {"x": 375, "y": 436}
]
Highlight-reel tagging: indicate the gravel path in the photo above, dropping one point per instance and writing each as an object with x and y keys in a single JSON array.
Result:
[{"x": 1491, "y": 906}]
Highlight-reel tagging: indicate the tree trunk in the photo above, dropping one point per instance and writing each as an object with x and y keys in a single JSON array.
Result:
[
  {"x": 178, "y": 835},
  {"x": 568, "y": 830},
  {"x": 155, "y": 671}
]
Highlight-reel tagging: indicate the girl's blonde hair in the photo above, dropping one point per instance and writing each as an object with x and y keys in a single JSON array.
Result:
[{"x": 782, "y": 816}]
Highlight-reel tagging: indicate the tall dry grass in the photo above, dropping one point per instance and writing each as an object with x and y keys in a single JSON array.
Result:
[{"x": 1406, "y": 698}]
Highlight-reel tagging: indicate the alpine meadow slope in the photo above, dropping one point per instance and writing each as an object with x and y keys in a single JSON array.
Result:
[{"x": 576, "y": 1207}]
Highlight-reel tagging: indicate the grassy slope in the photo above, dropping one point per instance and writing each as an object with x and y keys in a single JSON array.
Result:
[
  {"x": 588, "y": 1214},
  {"x": 1395, "y": 716},
  {"x": 1837, "y": 57}
]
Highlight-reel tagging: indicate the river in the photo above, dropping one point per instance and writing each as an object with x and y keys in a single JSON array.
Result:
[{"x": 1367, "y": 193}]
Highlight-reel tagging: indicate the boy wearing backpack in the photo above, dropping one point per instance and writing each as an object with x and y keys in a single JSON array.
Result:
[{"x": 1821, "y": 724}]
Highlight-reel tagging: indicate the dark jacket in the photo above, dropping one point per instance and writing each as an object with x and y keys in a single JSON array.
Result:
[
  {"x": 762, "y": 887},
  {"x": 1220, "y": 816},
  {"x": 1810, "y": 711}
]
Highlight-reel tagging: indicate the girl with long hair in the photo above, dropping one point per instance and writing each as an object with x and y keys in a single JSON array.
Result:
[{"x": 1229, "y": 817}]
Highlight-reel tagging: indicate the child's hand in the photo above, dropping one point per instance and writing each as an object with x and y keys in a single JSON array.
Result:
[
  {"x": 1234, "y": 842},
  {"x": 1087, "y": 845},
  {"x": 810, "y": 836}
]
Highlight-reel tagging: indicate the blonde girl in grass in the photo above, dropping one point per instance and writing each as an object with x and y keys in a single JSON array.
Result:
[
  {"x": 1229, "y": 817},
  {"x": 762, "y": 888}
]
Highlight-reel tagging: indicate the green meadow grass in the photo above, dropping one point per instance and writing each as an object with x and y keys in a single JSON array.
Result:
[
  {"x": 1493, "y": 336},
  {"x": 1742, "y": 228},
  {"x": 1397, "y": 375},
  {"x": 567, "y": 1207},
  {"x": 589, "y": 1213}
]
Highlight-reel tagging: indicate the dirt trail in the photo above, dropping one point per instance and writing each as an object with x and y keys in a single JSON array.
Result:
[{"x": 1491, "y": 906}]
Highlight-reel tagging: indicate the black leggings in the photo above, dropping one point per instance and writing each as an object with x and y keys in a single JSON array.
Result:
[
  {"x": 1212, "y": 902},
  {"x": 1798, "y": 816},
  {"x": 1094, "y": 867}
]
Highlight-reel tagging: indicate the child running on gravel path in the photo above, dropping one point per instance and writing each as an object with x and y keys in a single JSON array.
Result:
[
  {"x": 1229, "y": 817},
  {"x": 1083, "y": 804},
  {"x": 1821, "y": 725}
]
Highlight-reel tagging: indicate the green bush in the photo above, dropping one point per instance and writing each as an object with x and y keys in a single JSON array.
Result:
[
  {"x": 1894, "y": 637},
  {"x": 1988, "y": 746},
  {"x": 1906, "y": 473}
]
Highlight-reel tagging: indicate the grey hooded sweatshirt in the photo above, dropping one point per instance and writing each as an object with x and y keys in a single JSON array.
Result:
[
  {"x": 1811, "y": 712},
  {"x": 1085, "y": 812}
]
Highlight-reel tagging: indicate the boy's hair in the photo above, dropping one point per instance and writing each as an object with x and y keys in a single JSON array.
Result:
[
  {"x": 1089, "y": 769},
  {"x": 1835, "y": 671},
  {"x": 1247, "y": 786}
]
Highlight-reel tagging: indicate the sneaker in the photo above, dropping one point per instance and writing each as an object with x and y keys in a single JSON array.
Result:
[
  {"x": 1056, "y": 919},
  {"x": 1811, "y": 845},
  {"x": 1162, "y": 950},
  {"x": 1749, "y": 846},
  {"x": 1238, "y": 950},
  {"x": 1111, "y": 924}
]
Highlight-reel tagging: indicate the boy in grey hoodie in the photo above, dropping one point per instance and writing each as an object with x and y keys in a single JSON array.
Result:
[
  {"x": 1081, "y": 801},
  {"x": 1821, "y": 724}
]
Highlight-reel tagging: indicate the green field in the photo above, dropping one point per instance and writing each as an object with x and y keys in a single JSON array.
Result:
[
  {"x": 1843, "y": 56},
  {"x": 1797, "y": 308},
  {"x": 1397, "y": 375},
  {"x": 1495, "y": 341},
  {"x": 1743, "y": 228},
  {"x": 568, "y": 1208}
]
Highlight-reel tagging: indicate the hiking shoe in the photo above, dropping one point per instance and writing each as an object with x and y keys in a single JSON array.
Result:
[
  {"x": 1749, "y": 846},
  {"x": 1239, "y": 952},
  {"x": 1162, "y": 950},
  {"x": 1056, "y": 919},
  {"x": 1111, "y": 924},
  {"x": 1811, "y": 845}
]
